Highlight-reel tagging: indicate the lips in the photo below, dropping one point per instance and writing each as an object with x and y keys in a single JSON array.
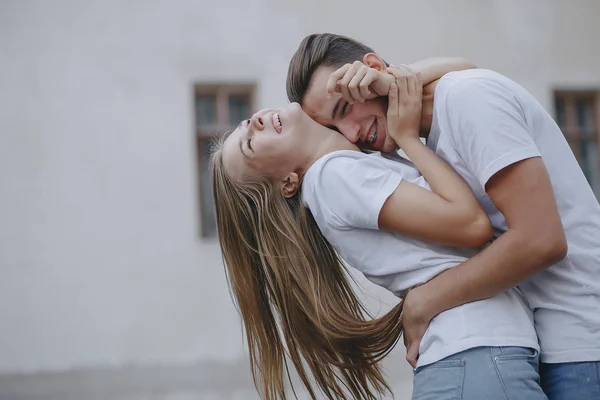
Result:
[{"x": 374, "y": 136}]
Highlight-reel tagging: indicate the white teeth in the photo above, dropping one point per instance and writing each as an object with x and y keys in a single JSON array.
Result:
[
  {"x": 277, "y": 120},
  {"x": 371, "y": 139}
]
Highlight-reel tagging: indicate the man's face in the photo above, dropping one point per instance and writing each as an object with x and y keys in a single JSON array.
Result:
[{"x": 364, "y": 124}]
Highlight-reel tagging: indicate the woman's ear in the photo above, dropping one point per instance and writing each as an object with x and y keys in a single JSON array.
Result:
[
  {"x": 374, "y": 61},
  {"x": 289, "y": 186}
]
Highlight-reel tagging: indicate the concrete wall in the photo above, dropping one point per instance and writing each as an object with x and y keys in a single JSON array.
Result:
[{"x": 101, "y": 265}]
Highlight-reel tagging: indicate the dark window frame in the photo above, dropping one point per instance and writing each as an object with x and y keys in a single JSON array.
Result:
[
  {"x": 206, "y": 135},
  {"x": 565, "y": 111}
]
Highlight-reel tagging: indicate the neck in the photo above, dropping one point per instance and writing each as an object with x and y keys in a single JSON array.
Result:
[
  {"x": 427, "y": 109},
  {"x": 323, "y": 141}
]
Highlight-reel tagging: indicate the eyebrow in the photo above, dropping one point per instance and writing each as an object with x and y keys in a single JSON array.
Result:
[{"x": 335, "y": 108}]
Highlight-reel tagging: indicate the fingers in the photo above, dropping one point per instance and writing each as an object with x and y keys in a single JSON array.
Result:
[
  {"x": 411, "y": 80},
  {"x": 400, "y": 70},
  {"x": 403, "y": 93},
  {"x": 364, "y": 87},
  {"x": 342, "y": 84},
  {"x": 418, "y": 85},
  {"x": 353, "y": 82},
  {"x": 402, "y": 74},
  {"x": 393, "y": 100},
  {"x": 350, "y": 90},
  {"x": 332, "y": 82},
  {"x": 415, "y": 87},
  {"x": 412, "y": 354},
  {"x": 404, "y": 106},
  {"x": 409, "y": 83}
]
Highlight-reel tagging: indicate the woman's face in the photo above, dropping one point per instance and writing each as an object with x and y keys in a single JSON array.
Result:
[{"x": 270, "y": 144}]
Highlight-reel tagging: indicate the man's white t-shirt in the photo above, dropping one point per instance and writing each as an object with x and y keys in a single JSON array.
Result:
[
  {"x": 345, "y": 191},
  {"x": 484, "y": 122}
]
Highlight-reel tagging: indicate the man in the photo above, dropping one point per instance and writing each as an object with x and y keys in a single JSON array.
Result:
[{"x": 516, "y": 160}]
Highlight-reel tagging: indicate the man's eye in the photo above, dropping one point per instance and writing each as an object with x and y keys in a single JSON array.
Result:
[{"x": 343, "y": 113}]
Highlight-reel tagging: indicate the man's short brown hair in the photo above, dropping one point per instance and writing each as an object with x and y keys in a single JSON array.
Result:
[{"x": 320, "y": 50}]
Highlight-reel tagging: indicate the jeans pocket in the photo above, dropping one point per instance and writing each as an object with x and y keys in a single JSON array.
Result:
[
  {"x": 442, "y": 380},
  {"x": 503, "y": 354},
  {"x": 518, "y": 371}
]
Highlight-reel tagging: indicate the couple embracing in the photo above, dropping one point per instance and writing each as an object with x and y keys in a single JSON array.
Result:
[{"x": 489, "y": 235}]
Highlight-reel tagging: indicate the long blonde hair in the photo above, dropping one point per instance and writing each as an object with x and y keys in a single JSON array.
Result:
[{"x": 294, "y": 295}]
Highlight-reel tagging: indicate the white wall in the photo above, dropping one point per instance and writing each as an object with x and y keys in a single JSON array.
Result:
[
  {"x": 101, "y": 263},
  {"x": 100, "y": 260}
]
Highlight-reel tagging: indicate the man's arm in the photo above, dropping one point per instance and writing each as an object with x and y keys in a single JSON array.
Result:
[
  {"x": 534, "y": 240},
  {"x": 522, "y": 191}
]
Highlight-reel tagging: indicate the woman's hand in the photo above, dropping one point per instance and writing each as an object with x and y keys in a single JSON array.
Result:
[
  {"x": 358, "y": 82},
  {"x": 404, "y": 105}
]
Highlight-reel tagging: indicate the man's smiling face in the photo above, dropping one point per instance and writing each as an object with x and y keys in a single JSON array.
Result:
[{"x": 362, "y": 123}]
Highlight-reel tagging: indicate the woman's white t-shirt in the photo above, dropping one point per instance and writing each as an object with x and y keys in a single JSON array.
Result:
[{"x": 345, "y": 191}]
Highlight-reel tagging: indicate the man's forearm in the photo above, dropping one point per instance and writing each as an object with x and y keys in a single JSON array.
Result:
[
  {"x": 508, "y": 261},
  {"x": 535, "y": 239}
]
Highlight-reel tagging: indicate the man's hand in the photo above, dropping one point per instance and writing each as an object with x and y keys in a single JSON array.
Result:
[
  {"x": 415, "y": 322},
  {"x": 358, "y": 82}
]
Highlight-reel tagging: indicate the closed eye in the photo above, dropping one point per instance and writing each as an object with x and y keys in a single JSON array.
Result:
[
  {"x": 343, "y": 111},
  {"x": 248, "y": 141}
]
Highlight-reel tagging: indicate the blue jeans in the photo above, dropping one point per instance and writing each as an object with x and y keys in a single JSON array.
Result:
[
  {"x": 490, "y": 373},
  {"x": 571, "y": 381}
]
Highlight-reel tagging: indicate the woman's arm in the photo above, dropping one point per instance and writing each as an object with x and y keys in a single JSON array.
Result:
[
  {"x": 432, "y": 69},
  {"x": 450, "y": 213},
  {"x": 368, "y": 79},
  {"x": 429, "y": 70}
]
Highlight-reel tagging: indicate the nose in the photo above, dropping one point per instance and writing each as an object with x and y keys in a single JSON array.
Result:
[
  {"x": 350, "y": 130},
  {"x": 257, "y": 121}
]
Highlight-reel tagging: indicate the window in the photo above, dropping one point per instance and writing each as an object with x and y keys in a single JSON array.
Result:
[
  {"x": 218, "y": 108},
  {"x": 577, "y": 116}
]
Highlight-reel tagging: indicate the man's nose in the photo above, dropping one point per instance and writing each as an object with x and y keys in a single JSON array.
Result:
[{"x": 350, "y": 130}]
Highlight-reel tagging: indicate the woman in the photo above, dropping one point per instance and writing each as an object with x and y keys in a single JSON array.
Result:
[{"x": 293, "y": 196}]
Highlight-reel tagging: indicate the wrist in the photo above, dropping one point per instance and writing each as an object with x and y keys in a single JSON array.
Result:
[
  {"x": 381, "y": 87},
  {"x": 408, "y": 138},
  {"x": 421, "y": 304}
]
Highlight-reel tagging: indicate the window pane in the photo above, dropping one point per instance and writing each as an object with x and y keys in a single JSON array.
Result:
[
  {"x": 585, "y": 114},
  {"x": 206, "y": 112},
  {"x": 207, "y": 205},
  {"x": 559, "y": 105},
  {"x": 239, "y": 109}
]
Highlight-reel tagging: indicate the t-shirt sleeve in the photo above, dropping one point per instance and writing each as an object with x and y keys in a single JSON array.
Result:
[
  {"x": 488, "y": 126},
  {"x": 353, "y": 191}
]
